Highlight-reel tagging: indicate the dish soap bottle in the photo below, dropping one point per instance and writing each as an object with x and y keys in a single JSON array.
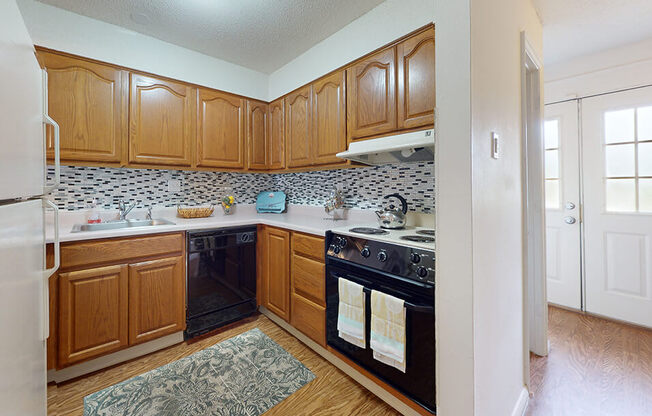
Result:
[{"x": 94, "y": 215}]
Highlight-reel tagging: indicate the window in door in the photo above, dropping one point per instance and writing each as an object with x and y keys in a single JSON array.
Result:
[
  {"x": 553, "y": 181},
  {"x": 628, "y": 160}
]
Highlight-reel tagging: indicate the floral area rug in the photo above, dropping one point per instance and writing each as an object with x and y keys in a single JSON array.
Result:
[{"x": 244, "y": 375}]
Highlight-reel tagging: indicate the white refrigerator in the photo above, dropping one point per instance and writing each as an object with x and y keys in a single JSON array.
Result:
[{"x": 23, "y": 206}]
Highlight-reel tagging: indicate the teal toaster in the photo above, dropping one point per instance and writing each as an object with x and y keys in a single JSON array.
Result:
[{"x": 271, "y": 202}]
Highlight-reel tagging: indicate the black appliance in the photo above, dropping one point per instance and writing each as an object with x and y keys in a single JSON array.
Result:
[
  {"x": 401, "y": 271},
  {"x": 220, "y": 278}
]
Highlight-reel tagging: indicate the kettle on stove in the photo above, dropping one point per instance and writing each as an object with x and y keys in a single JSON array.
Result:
[{"x": 391, "y": 217}]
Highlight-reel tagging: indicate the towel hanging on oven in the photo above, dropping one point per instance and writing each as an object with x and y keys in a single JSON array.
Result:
[
  {"x": 351, "y": 313},
  {"x": 388, "y": 329}
]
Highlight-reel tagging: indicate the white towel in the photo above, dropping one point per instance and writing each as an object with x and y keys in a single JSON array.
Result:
[
  {"x": 351, "y": 313},
  {"x": 388, "y": 329}
]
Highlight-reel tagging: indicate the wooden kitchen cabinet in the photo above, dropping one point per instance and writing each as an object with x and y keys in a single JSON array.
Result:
[
  {"x": 416, "y": 80},
  {"x": 220, "y": 130},
  {"x": 298, "y": 128},
  {"x": 329, "y": 118},
  {"x": 276, "y": 135},
  {"x": 89, "y": 102},
  {"x": 276, "y": 271},
  {"x": 161, "y": 121},
  {"x": 93, "y": 317},
  {"x": 257, "y": 135},
  {"x": 156, "y": 299},
  {"x": 371, "y": 95}
]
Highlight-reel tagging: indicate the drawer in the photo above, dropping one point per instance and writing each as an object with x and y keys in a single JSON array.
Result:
[
  {"x": 308, "y": 278},
  {"x": 120, "y": 250},
  {"x": 308, "y": 245},
  {"x": 309, "y": 318}
]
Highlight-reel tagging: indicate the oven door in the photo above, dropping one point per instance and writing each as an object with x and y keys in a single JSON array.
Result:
[{"x": 418, "y": 381}]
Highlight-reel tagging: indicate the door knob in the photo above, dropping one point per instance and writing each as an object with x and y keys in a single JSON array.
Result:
[
  {"x": 570, "y": 206},
  {"x": 569, "y": 220}
]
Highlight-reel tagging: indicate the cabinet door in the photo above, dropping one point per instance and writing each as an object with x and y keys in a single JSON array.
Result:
[
  {"x": 89, "y": 101},
  {"x": 309, "y": 318},
  {"x": 161, "y": 121},
  {"x": 156, "y": 299},
  {"x": 371, "y": 95},
  {"x": 276, "y": 135},
  {"x": 298, "y": 134},
  {"x": 416, "y": 80},
  {"x": 277, "y": 271},
  {"x": 329, "y": 118},
  {"x": 220, "y": 130},
  {"x": 257, "y": 130},
  {"x": 93, "y": 317}
]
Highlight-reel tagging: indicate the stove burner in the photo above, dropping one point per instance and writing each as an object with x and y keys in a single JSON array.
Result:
[
  {"x": 368, "y": 230},
  {"x": 418, "y": 239},
  {"x": 427, "y": 232}
]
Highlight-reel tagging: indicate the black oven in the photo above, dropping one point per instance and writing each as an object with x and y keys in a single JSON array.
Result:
[
  {"x": 418, "y": 381},
  {"x": 221, "y": 278}
]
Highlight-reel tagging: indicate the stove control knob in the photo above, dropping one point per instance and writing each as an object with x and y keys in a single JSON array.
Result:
[
  {"x": 382, "y": 256},
  {"x": 422, "y": 272},
  {"x": 336, "y": 250},
  {"x": 365, "y": 252},
  {"x": 415, "y": 258},
  {"x": 338, "y": 241},
  {"x": 342, "y": 242}
]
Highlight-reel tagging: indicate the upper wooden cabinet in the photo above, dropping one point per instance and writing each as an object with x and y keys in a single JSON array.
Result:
[
  {"x": 156, "y": 299},
  {"x": 161, "y": 121},
  {"x": 329, "y": 118},
  {"x": 93, "y": 313},
  {"x": 220, "y": 130},
  {"x": 257, "y": 131},
  {"x": 416, "y": 80},
  {"x": 298, "y": 132},
  {"x": 89, "y": 102},
  {"x": 276, "y": 135},
  {"x": 371, "y": 95}
]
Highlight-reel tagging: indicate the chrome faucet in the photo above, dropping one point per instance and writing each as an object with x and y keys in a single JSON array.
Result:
[{"x": 124, "y": 210}]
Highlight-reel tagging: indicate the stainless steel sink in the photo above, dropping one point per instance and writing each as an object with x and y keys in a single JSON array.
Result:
[{"x": 113, "y": 225}]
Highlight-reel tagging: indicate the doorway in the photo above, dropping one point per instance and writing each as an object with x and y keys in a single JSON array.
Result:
[{"x": 599, "y": 249}]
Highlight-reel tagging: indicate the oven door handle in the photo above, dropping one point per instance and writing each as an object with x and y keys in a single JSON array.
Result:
[{"x": 409, "y": 305}]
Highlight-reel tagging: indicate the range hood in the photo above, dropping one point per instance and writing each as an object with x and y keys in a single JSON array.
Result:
[{"x": 416, "y": 146}]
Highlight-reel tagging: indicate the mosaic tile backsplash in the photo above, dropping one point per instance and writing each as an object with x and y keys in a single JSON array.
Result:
[{"x": 363, "y": 187}]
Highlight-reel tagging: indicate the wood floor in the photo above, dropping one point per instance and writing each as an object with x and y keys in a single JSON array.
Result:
[
  {"x": 595, "y": 367},
  {"x": 331, "y": 393}
]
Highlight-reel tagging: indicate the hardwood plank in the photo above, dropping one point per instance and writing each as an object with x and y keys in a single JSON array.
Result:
[
  {"x": 331, "y": 393},
  {"x": 595, "y": 367}
]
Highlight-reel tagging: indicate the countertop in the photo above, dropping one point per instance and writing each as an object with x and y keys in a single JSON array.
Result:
[{"x": 307, "y": 219}]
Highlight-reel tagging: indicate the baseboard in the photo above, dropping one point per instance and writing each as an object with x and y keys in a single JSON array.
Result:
[
  {"x": 118, "y": 357},
  {"x": 521, "y": 403},
  {"x": 380, "y": 392}
]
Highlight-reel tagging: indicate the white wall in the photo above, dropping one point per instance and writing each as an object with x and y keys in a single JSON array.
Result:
[
  {"x": 610, "y": 70},
  {"x": 381, "y": 25},
  {"x": 497, "y": 201},
  {"x": 59, "y": 29}
]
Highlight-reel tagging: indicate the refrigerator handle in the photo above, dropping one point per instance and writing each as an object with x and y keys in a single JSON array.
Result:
[
  {"x": 57, "y": 158},
  {"x": 57, "y": 252}
]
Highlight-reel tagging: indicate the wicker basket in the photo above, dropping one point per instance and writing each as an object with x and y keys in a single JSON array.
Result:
[{"x": 194, "y": 212}]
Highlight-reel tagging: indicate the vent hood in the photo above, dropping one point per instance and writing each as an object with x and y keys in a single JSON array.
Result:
[{"x": 416, "y": 146}]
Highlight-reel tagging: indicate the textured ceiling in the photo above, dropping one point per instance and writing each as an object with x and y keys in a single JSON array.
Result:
[
  {"x": 258, "y": 34},
  {"x": 578, "y": 27}
]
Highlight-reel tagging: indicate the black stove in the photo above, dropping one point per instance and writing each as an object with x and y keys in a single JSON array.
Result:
[
  {"x": 418, "y": 239},
  {"x": 407, "y": 273},
  {"x": 368, "y": 231}
]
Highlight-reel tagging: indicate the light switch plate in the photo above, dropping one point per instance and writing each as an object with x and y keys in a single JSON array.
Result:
[
  {"x": 174, "y": 185},
  {"x": 495, "y": 145}
]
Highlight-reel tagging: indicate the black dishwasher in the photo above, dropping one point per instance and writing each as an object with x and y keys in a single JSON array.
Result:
[{"x": 221, "y": 278}]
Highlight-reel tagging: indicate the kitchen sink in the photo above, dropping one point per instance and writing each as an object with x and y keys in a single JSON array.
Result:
[{"x": 114, "y": 225}]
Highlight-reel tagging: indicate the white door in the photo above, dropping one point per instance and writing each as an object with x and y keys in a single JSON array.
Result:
[
  {"x": 22, "y": 159},
  {"x": 617, "y": 173},
  {"x": 22, "y": 309},
  {"x": 563, "y": 259}
]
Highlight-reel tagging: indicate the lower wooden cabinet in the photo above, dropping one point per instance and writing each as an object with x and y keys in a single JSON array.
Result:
[
  {"x": 276, "y": 271},
  {"x": 156, "y": 299},
  {"x": 309, "y": 318},
  {"x": 93, "y": 314},
  {"x": 113, "y": 293}
]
